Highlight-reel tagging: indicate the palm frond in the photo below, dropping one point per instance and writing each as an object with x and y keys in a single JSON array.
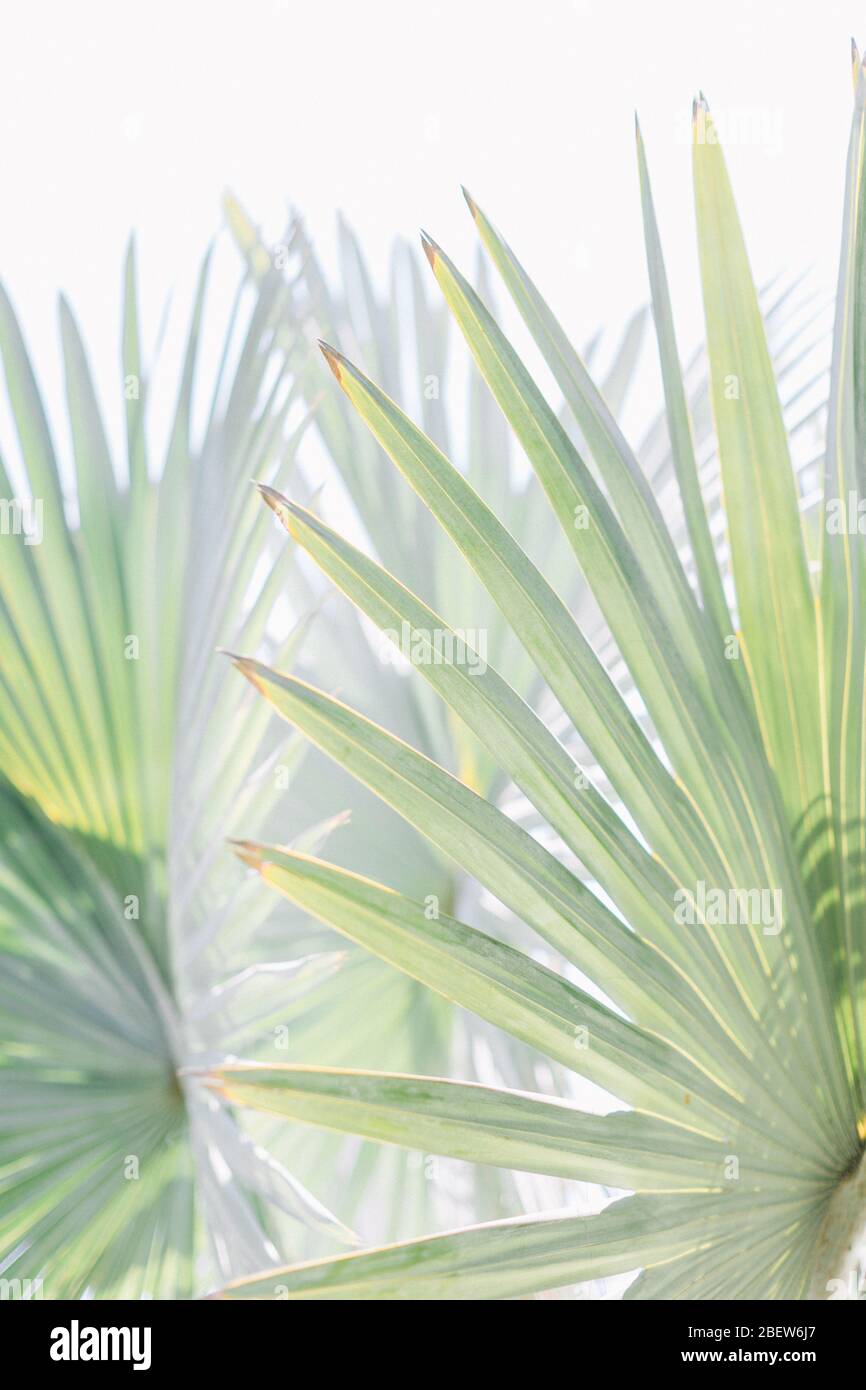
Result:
[
  {"x": 126, "y": 758},
  {"x": 699, "y": 912}
]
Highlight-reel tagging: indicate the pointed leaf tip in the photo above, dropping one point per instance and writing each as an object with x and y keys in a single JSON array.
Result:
[
  {"x": 700, "y": 110},
  {"x": 274, "y": 499},
  {"x": 248, "y": 851},
  {"x": 470, "y": 201},
  {"x": 333, "y": 358},
  {"x": 246, "y": 665},
  {"x": 430, "y": 248}
]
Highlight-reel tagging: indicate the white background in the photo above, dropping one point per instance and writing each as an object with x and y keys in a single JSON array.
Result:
[{"x": 117, "y": 116}]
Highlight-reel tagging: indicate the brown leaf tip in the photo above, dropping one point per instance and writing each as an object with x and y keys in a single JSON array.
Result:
[
  {"x": 430, "y": 249},
  {"x": 275, "y": 500},
  {"x": 470, "y": 201},
  {"x": 333, "y": 358},
  {"x": 247, "y": 667},
  {"x": 248, "y": 851}
]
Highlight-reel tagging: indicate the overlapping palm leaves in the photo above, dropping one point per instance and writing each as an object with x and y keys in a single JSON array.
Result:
[
  {"x": 132, "y": 949},
  {"x": 737, "y": 764},
  {"x": 129, "y": 947},
  {"x": 390, "y": 337},
  {"x": 400, "y": 530}
]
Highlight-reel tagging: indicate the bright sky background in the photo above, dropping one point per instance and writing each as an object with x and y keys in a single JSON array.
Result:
[{"x": 117, "y": 116}]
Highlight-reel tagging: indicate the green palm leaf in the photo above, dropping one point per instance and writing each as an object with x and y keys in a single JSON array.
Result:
[
  {"x": 115, "y": 900},
  {"x": 122, "y": 777},
  {"x": 482, "y": 1125},
  {"x": 744, "y": 1034},
  {"x": 513, "y": 1258}
]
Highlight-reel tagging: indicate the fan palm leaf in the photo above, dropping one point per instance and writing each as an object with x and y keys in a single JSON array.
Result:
[
  {"x": 702, "y": 916},
  {"x": 132, "y": 954},
  {"x": 132, "y": 950},
  {"x": 125, "y": 758}
]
